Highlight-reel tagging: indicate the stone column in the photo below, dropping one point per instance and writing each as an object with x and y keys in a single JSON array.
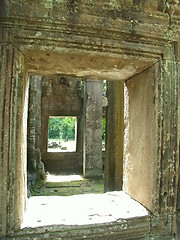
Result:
[
  {"x": 178, "y": 190},
  {"x": 13, "y": 137},
  {"x": 114, "y": 136},
  {"x": 168, "y": 108},
  {"x": 92, "y": 156},
  {"x": 34, "y": 122}
]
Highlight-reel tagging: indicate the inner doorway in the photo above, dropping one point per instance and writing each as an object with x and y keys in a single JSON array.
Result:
[
  {"x": 64, "y": 127},
  {"x": 62, "y": 134}
]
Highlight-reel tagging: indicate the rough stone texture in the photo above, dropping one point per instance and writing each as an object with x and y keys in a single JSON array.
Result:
[
  {"x": 112, "y": 40},
  {"x": 35, "y": 167},
  {"x": 115, "y": 231},
  {"x": 114, "y": 136},
  {"x": 61, "y": 96},
  {"x": 178, "y": 180},
  {"x": 13, "y": 137},
  {"x": 34, "y": 122},
  {"x": 117, "y": 21},
  {"x": 92, "y": 150}
]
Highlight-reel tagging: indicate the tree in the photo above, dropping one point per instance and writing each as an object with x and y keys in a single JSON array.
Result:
[{"x": 62, "y": 128}]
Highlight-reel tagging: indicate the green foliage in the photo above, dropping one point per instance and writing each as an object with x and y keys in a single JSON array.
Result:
[
  {"x": 36, "y": 189},
  {"x": 104, "y": 87},
  {"x": 103, "y": 128},
  {"x": 54, "y": 127},
  {"x": 166, "y": 2},
  {"x": 68, "y": 128},
  {"x": 62, "y": 128}
]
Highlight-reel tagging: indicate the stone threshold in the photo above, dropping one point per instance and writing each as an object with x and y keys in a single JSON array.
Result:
[
  {"x": 82, "y": 209},
  {"x": 127, "y": 229}
]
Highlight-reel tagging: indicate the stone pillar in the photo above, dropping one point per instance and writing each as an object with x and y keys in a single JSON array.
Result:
[
  {"x": 114, "y": 136},
  {"x": 92, "y": 156},
  {"x": 13, "y": 137},
  {"x": 178, "y": 190},
  {"x": 167, "y": 145},
  {"x": 169, "y": 135},
  {"x": 34, "y": 122}
]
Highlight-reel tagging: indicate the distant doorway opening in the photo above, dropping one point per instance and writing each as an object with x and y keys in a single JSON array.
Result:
[{"x": 62, "y": 132}]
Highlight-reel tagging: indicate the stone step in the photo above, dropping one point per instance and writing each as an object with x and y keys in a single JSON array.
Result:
[{"x": 122, "y": 229}]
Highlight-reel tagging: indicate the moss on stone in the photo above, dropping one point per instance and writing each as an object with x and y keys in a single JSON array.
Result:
[
  {"x": 38, "y": 187},
  {"x": 42, "y": 188}
]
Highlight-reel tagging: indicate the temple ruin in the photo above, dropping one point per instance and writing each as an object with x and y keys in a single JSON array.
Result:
[{"x": 54, "y": 57}]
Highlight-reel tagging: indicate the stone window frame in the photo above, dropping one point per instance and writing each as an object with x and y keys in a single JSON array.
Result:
[
  {"x": 147, "y": 223},
  {"x": 165, "y": 194}
]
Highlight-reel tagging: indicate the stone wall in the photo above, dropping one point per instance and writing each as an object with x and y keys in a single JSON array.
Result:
[{"x": 140, "y": 148}]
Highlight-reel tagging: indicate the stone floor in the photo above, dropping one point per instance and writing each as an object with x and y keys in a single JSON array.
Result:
[
  {"x": 73, "y": 200},
  {"x": 67, "y": 185}
]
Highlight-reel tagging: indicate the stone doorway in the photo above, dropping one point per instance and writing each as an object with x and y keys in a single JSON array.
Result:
[
  {"x": 137, "y": 105},
  {"x": 63, "y": 96},
  {"x": 63, "y": 137},
  {"x": 97, "y": 40},
  {"x": 59, "y": 95}
]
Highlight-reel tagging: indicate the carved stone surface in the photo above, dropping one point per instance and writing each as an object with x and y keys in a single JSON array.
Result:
[
  {"x": 112, "y": 40},
  {"x": 13, "y": 128}
]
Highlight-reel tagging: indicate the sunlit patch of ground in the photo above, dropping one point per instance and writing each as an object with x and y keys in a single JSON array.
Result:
[
  {"x": 69, "y": 146},
  {"x": 63, "y": 178}
]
